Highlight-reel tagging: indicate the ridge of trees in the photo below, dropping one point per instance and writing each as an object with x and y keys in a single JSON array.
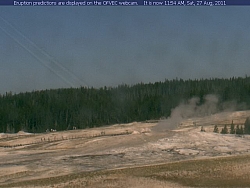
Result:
[
  {"x": 238, "y": 130},
  {"x": 63, "y": 109}
]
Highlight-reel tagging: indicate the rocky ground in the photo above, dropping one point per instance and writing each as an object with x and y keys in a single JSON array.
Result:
[{"x": 69, "y": 158}]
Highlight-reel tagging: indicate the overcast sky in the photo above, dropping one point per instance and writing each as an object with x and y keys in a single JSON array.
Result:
[{"x": 55, "y": 47}]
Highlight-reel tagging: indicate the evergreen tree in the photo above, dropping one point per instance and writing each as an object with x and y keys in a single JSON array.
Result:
[
  {"x": 216, "y": 129},
  {"x": 238, "y": 131},
  {"x": 232, "y": 129},
  {"x": 224, "y": 130},
  {"x": 247, "y": 126}
]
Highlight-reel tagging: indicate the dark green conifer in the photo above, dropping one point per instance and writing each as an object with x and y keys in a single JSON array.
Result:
[
  {"x": 247, "y": 126},
  {"x": 216, "y": 129},
  {"x": 224, "y": 130},
  {"x": 232, "y": 129}
]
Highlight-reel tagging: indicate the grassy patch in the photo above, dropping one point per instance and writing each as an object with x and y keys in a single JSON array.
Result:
[{"x": 233, "y": 171}]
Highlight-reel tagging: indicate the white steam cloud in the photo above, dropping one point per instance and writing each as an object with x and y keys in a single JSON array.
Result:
[{"x": 193, "y": 108}]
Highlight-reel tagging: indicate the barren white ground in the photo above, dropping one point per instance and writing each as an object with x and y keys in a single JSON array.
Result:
[{"x": 27, "y": 156}]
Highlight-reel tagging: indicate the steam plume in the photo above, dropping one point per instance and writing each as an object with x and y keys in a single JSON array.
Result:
[{"x": 193, "y": 108}]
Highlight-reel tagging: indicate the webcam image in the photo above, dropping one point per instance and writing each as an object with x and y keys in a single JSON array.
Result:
[{"x": 124, "y": 94}]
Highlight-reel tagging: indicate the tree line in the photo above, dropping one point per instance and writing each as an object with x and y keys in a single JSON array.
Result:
[
  {"x": 239, "y": 129},
  {"x": 63, "y": 109}
]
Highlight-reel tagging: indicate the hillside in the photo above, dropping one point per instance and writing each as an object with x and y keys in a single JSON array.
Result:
[{"x": 63, "y": 109}]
